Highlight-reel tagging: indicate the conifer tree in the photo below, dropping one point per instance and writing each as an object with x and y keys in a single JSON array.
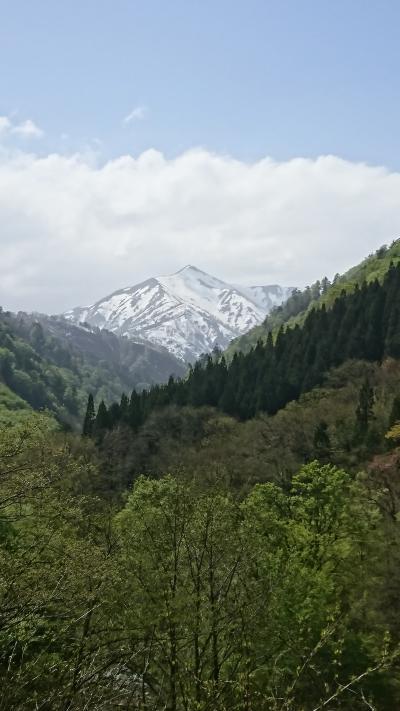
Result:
[
  {"x": 124, "y": 408},
  {"x": 395, "y": 411},
  {"x": 102, "y": 420},
  {"x": 114, "y": 414},
  {"x": 88, "y": 423},
  {"x": 322, "y": 442},
  {"x": 124, "y": 403},
  {"x": 365, "y": 407},
  {"x": 325, "y": 284},
  {"x": 135, "y": 411},
  {"x": 37, "y": 337}
]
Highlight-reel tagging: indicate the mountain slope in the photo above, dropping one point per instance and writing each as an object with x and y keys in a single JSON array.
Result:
[
  {"x": 50, "y": 363},
  {"x": 188, "y": 313},
  {"x": 362, "y": 325},
  {"x": 206, "y": 441},
  {"x": 300, "y": 303},
  {"x": 13, "y": 409}
]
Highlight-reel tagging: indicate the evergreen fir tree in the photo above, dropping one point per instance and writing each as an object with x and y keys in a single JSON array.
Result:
[
  {"x": 322, "y": 442},
  {"x": 88, "y": 423},
  {"x": 395, "y": 411},
  {"x": 37, "y": 337},
  {"x": 365, "y": 408},
  {"x": 124, "y": 408},
  {"x": 114, "y": 414},
  {"x": 102, "y": 420},
  {"x": 124, "y": 402},
  {"x": 135, "y": 411},
  {"x": 325, "y": 284}
]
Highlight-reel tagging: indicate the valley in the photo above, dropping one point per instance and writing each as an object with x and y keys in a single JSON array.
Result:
[
  {"x": 199, "y": 356},
  {"x": 203, "y": 520}
]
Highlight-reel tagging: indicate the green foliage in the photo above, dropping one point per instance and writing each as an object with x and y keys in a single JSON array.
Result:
[
  {"x": 394, "y": 432},
  {"x": 12, "y": 407},
  {"x": 254, "y": 600},
  {"x": 361, "y": 325},
  {"x": 395, "y": 411},
  {"x": 252, "y": 577},
  {"x": 322, "y": 442},
  {"x": 51, "y": 364},
  {"x": 296, "y": 308},
  {"x": 188, "y": 597},
  {"x": 54, "y": 568},
  {"x": 89, "y": 421},
  {"x": 365, "y": 408},
  {"x": 216, "y": 447}
]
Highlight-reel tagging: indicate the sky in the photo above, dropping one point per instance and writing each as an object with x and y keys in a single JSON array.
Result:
[{"x": 255, "y": 139}]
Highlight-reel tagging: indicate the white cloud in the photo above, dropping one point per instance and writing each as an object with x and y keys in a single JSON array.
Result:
[
  {"x": 5, "y": 124},
  {"x": 25, "y": 129},
  {"x": 137, "y": 114},
  {"x": 72, "y": 231}
]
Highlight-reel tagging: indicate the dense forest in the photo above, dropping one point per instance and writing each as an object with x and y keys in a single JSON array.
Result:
[
  {"x": 363, "y": 325},
  {"x": 48, "y": 363},
  {"x": 188, "y": 596},
  {"x": 228, "y": 540},
  {"x": 322, "y": 292}
]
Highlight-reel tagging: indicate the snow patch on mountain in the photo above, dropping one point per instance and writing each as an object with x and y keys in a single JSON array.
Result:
[{"x": 189, "y": 312}]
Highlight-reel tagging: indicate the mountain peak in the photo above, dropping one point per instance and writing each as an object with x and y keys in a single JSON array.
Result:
[
  {"x": 191, "y": 269},
  {"x": 188, "y": 312},
  {"x": 188, "y": 267}
]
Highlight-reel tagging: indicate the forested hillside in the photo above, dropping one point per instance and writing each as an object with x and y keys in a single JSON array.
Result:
[
  {"x": 344, "y": 422},
  {"x": 363, "y": 324},
  {"x": 48, "y": 363},
  {"x": 188, "y": 596},
  {"x": 295, "y": 309},
  {"x": 228, "y": 541}
]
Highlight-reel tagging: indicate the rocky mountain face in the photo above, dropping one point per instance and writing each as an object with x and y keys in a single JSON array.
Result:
[{"x": 188, "y": 313}]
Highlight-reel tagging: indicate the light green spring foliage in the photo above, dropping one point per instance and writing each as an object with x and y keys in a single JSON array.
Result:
[
  {"x": 251, "y": 605},
  {"x": 394, "y": 432},
  {"x": 53, "y": 567},
  {"x": 187, "y": 598},
  {"x": 12, "y": 407}
]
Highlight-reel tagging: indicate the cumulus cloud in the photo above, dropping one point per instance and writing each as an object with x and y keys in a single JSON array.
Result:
[
  {"x": 72, "y": 231},
  {"x": 137, "y": 114},
  {"x": 25, "y": 129},
  {"x": 5, "y": 124}
]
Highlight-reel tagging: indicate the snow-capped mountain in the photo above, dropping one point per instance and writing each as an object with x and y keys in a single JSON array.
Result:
[{"x": 189, "y": 312}]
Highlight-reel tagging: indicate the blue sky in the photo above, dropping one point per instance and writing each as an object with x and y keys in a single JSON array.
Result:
[
  {"x": 257, "y": 140},
  {"x": 285, "y": 78}
]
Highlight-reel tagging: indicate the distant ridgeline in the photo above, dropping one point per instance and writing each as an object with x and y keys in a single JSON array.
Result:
[
  {"x": 49, "y": 363},
  {"x": 294, "y": 310},
  {"x": 363, "y": 325}
]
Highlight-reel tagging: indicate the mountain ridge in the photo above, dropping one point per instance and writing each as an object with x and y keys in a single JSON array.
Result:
[
  {"x": 49, "y": 362},
  {"x": 189, "y": 312},
  {"x": 323, "y": 292}
]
